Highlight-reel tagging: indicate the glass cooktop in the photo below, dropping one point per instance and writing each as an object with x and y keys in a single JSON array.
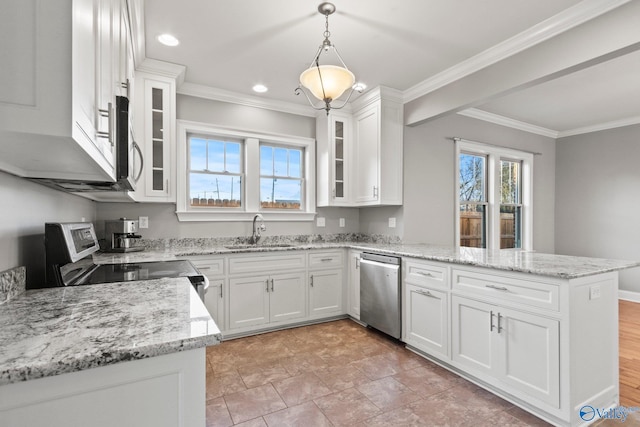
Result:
[{"x": 107, "y": 273}]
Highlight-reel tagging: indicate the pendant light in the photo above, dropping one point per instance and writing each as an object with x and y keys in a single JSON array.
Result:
[{"x": 327, "y": 82}]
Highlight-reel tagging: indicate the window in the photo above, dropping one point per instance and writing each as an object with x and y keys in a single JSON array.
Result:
[
  {"x": 215, "y": 172},
  {"x": 281, "y": 182},
  {"x": 494, "y": 197},
  {"x": 231, "y": 175}
]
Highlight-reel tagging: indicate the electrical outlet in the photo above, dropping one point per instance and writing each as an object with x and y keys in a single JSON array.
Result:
[
  {"x": 594, "y": 292},
  {"x": 320, "y": 222},
  {"x": 143, "y": 222},
  {"x": 341, "y": 222},
  {"x": 392, "y": 223}
]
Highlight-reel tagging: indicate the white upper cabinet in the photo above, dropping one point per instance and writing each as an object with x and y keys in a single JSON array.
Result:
[
  {"x": 57, "y": 94},
  {"x": 359, "y": 155}
]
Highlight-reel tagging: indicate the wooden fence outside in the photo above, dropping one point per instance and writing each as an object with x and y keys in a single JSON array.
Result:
[{"x": 471, "y": 229}]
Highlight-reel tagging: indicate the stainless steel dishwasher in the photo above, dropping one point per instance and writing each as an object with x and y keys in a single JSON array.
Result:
[{"x": 380, "y": 293}]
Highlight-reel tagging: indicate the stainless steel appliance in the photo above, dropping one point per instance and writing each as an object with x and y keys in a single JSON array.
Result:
[
  {"x": 380, "y": 296},
  {"x": 120, "y": 234},
  {"x": 68, "y": 250},
  {"x": 126, "y": 149}
]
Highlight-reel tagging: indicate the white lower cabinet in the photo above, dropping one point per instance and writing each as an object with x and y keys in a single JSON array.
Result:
[
  {"x": 214, "y": 301},
  {"x": 426, "y": 317},
  {"x": 260, "y": 300},
  {"x": 516, "y": 349},
  {"x": 325, "y": 293}
]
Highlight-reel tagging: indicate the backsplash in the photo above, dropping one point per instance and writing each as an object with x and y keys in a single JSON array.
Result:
[
  {"x": 12, "y": 283},
  {"x": 162, "y": 244}
]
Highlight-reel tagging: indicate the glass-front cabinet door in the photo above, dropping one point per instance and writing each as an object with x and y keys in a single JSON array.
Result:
[{"x": 333, "y": 135}]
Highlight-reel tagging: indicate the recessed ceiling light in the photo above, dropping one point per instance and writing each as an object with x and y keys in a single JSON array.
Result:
[
  {"x": 168, "y": 40},
  {"x": 359, "y": 86},
  {"x": 260, "y": 88}
]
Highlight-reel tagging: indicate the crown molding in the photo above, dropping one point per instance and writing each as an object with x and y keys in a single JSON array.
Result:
[
  {"x": 506, "y": 121},
  {"x": 165, "y": 69},
  {"x": 216, "y": 94},
  {"x": 557, "y": 24},
  {"x": 602, "y": 126}
]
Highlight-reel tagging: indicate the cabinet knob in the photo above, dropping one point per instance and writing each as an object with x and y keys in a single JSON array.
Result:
[{"x": 311, "y": 282}]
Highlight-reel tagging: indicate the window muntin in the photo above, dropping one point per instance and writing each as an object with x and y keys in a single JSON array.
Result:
[
  {"x": 473, "y": 200},
  {"x": 281, "y": 177},
  {"x": 215, "y": 172},
  {"x": 510, "y": 204}
]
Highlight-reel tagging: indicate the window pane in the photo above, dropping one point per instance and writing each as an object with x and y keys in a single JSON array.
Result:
[
  {"x": 472, "y": 178},
  {"x": 216, "y": 156},
  {"x": 206, "y": 189},
  {"x": 280, "y": 162},
  {"x": 198, "y": 148},
  {"x": 510, "y": 179},
  {"x": 233, "y": 160},
  {"x": 280, "y": 193},
  {"x": 295, "y": 163},
  {"x": 510, "y": 227},
  {"x": 266, "y": 160},
  {"x": 473, "y": 225}
]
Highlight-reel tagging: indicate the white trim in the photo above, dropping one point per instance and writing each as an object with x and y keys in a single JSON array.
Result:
[
  {"x": 602, "y": 126},
  {"x": 506, "y": 121},
  {"x": 629, "y": 296},
  {"x": 164, "y": 69},
  {"x": 251, "y": 183},
  {"x": 207, "y": 92},
  {"x": 557, "y": 24}
]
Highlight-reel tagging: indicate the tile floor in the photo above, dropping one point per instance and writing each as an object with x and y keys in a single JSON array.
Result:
[{"x": 341, "y": 374}]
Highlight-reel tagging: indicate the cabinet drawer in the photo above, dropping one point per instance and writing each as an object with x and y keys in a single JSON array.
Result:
[
  {"x": 426, "y": 274},
  {"x": 210, "y": 267},
  {"x": 265, "y": 263},
  {"x": 507, "y": 288},
  {"x": 325, "y": 259}
]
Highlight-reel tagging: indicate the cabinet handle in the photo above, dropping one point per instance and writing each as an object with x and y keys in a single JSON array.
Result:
[
  {"x": 326, "y": 259},
  {"x": 424, "y": 273},
  {"x": 167, "y": 186},
  {"x": 311, "y": 283},
  {"x": 375, "y": 191},
  {"x": 220, "y": 290},
  {"x": 139, "y": 150},
  {"x": 267, "y": 284},
  {"x": 126, "y": 85},
  {"x": 491, "y": 321},
  {"x": 426, "y": 294},
  {"x": 204, "y": 268},
  {"x": 357, "y": 263},
  {"x": 272, "y": 285},
  {"x": 334, "y": 193},
  {"x": 107, "y": 113},
  {"x": 500, "y": 328},
  {"x": 498, "y": 288}
]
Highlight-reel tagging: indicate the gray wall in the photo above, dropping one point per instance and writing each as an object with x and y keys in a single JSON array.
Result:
[
  {"x": 25, "y": 208},
  {"x": 597, "y": 207},
  {"x": 429, "y": 193}
]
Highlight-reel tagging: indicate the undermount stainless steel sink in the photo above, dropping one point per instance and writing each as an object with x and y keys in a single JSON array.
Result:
[{"x": 258, "y": 246}]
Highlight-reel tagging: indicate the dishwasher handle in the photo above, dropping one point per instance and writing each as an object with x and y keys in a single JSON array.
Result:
[{"x": 383, "y": 259}]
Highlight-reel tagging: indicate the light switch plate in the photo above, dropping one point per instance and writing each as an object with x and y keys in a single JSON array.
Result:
[
  {"x": 143, "y": 222},
  {"x": 341, "y": 222},
  {"x": 320, "y": 222},
  {"x": 392, "y": 223}
]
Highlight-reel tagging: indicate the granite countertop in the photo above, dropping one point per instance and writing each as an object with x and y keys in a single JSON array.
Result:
[
  {"x": 47, "y": 332},
  {"x": 560, "y": 266}
]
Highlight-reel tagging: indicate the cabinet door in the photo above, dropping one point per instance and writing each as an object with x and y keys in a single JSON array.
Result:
[
  {"x": 325, "y": 289},
  {"x": 287, "y": 297},
  {"x": 472, "y": 326},
  {"x": 214, "y": 301},
  {"x": 248, "y": 301},
  {"x": 106, "y": 76},
  {"x": 425, "y": 323},
  {"x": 354, "y": 285},
  {"x": 367, "y": 145},
  {"x": 530, "y": 353}
]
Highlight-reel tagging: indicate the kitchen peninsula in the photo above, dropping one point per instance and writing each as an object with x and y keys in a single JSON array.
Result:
[{"x": 113, "y": 354}]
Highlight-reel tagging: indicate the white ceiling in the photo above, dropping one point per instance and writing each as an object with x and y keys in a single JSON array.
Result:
[{"x": 232, "y": 45}]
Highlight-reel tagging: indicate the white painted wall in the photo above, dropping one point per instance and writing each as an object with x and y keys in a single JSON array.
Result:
[
  {"x": 597, "y": 204},
  {"x": 24, "y": 209},
  {"x": 429, "y": 193}
]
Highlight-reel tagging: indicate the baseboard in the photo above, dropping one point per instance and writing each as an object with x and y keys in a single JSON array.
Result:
[{"x": 629, "y": 296}]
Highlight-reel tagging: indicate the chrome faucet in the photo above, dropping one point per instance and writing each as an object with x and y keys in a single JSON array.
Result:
[{"x": 255, "y": 237}]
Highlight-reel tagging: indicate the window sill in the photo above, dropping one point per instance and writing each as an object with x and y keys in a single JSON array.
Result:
[{"x": 193, "y": 216}]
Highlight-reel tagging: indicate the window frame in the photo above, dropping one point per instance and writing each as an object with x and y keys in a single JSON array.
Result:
[
  {"x": 301, "y": 179},
  {"x": 251, "y": 167},
  {"x": 494, "y": 155}
]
